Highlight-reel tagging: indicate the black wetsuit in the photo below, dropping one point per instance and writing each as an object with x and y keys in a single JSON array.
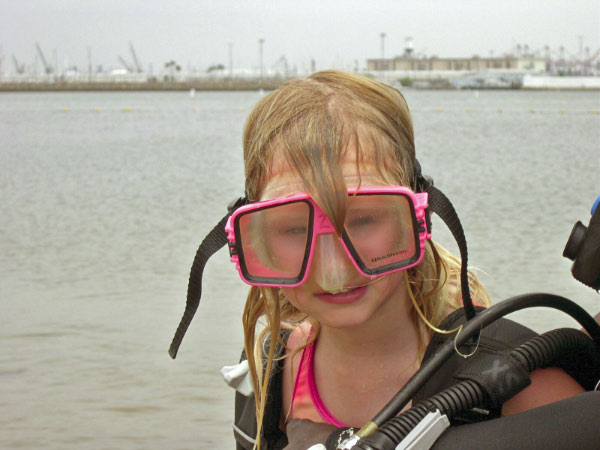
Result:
[{"x": 502, "y": 335}]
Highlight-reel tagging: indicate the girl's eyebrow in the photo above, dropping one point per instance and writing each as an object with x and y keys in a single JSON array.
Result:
[{"x": 282, "y": 189}]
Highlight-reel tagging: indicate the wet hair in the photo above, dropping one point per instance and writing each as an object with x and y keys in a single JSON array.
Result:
[{"x": 308, "y": 125}]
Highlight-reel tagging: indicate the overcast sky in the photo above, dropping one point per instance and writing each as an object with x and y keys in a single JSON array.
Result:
[{"x": 335, "y": 33}]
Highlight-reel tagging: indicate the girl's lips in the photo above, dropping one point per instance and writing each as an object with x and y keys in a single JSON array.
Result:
[{"x": 343, "y": 298}]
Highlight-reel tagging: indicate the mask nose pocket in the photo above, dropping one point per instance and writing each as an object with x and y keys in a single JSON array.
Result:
[{"x": 331, "y": 266}]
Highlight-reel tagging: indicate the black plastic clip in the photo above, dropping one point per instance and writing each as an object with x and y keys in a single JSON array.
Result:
[{"x": 236, "y": 203}]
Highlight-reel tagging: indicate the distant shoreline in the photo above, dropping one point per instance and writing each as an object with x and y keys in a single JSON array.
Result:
[{"x": 220, "y": 85}]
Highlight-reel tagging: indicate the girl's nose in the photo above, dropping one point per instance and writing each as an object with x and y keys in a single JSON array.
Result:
[{"x": 331, "y": 267}]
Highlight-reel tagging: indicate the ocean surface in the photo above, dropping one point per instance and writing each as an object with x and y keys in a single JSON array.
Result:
[{"x": 104, "y": 198}]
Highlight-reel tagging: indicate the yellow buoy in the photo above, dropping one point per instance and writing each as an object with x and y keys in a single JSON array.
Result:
[
  {"x": 562, "y": 111},
  {"x": 499, "y": 109},
  {"x": 439, "y": 110},
  {"x": 468, "y": 110},
  {"x": 127, "y": 109},
  {"x": 595, "y": 111},
  {"x": 532, "y": 111}
]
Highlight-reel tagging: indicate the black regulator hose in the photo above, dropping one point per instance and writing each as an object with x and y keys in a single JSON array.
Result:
[
  {"x": 472, "y": 328},
  {"x": 571, "y": 423},
  {"x": 539, "y": 352},
  {"x": 462, "y": 396}
]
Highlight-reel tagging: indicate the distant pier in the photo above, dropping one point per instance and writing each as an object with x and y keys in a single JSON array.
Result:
[
  {"x": 198, "y": 85},
  {"x": 401, "y": 79}
]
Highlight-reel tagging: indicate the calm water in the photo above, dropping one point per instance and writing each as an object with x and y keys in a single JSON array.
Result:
[{"x": 105, "y": 197}]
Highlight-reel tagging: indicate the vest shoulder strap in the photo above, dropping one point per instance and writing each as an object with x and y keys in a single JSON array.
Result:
[
  {"x": 244, "y": 426},
  {"x": 502, "y": 335}
]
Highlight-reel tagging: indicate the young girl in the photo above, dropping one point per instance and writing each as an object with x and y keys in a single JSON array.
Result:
[{"x": 332, "y": 158}]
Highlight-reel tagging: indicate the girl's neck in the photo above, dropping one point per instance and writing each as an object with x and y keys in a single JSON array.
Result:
[{"x": 372, "y": 361}]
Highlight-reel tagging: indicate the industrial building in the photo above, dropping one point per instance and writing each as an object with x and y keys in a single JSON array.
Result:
[{"x": 409, "y": 63}]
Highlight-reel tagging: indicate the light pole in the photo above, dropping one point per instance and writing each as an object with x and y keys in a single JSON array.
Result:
[
  {"x": 580, "y": 65},
  {"x": 89, "y": 54},
  {"x": 382, "y": 45},
  {"x": 230, "y": 44},
  {"x": 260, "y": 56}
]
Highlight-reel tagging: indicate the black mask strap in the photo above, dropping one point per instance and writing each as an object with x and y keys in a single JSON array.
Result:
[
  {"x": 213, "y": 242},
  {"x": 217, "y": 238},
  {"x": 440, "y": 204}
]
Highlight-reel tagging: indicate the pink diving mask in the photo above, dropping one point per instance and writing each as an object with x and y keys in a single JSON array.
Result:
[{"x": 272, "y": 242}]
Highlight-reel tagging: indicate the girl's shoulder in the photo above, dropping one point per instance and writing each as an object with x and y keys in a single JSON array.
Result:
[{"x": 299, "y": 336}]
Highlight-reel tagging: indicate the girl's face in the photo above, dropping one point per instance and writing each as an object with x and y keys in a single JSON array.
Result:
[{"x": 335, "y": 293}]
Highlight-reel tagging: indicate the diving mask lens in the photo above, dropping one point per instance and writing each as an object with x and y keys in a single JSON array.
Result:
[
  {"x": 275, "y": 241},
  {"x": 380, "y": 232}
]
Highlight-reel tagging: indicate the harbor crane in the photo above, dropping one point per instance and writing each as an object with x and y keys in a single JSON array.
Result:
[
  {"x": 136, "y": 67},
  {"x": 19, "y": 68},
  {"x": 125, "y": 64},
  {"x": 47, "y": 67},
  {"x": 136, "y": 61}
]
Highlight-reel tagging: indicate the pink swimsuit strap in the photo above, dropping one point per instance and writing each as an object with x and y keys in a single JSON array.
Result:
[{"x": 305, "y": 397}]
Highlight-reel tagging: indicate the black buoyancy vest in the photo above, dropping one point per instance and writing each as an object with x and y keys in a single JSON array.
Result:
[
  {"x": 244, "y": 426},
  {"x": 501, "y": 336}
]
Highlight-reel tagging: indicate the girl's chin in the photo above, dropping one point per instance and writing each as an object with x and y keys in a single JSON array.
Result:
[{"x": 346, "y": 318}]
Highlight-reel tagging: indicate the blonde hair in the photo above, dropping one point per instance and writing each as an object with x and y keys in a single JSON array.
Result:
[{"x": 308, "y": 125}]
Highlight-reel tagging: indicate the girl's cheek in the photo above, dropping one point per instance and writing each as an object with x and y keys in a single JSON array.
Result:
[{"x": 291, "y": 294}]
